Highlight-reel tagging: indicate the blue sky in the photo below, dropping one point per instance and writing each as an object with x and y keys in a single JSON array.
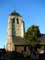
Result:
[{"x": 32, "y": 11}]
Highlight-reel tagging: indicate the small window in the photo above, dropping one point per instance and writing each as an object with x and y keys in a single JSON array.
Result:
[
  {"x": 17, "y": 21},
  {"x": 24, "y": 48},
  {"x": 13, "y": 20}
]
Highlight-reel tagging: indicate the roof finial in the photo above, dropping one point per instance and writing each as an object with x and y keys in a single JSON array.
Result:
[{"x": 14, "y": 10}]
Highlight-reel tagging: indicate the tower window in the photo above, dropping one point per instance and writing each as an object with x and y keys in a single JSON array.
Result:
[
  {"x": 17, "y": 21},
  {"x": 13, "y": 20},
  {"x": 24, "y": 48}
]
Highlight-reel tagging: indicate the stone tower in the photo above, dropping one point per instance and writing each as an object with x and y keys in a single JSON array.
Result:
[{"x": 15, "y": 29}]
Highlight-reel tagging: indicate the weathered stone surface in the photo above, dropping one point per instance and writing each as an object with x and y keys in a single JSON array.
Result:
[{"x": 15, "y": 29}]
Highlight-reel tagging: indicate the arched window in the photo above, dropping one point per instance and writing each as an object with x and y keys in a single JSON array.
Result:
[
  {"x": 13, "y": 27},
  {"x": 17, "y": 21}
]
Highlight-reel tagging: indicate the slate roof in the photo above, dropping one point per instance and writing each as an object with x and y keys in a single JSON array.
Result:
[
  {"x": 21, "y": 41},
  {"x": 1, "y": 49},
  {"x": 14, "y": 13},
  {"x": 42, "y": 39}
]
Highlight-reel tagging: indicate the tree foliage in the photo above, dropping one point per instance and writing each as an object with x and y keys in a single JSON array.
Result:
[{"x": 32, "y": 35}]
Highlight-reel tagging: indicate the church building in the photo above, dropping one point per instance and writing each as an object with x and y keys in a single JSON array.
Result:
[{"x": 15, "y": 33}]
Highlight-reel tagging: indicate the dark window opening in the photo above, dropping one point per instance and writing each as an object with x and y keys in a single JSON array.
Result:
[
  {"x": 17, "y": 21},
  {"x": 24, "y": 48},
  {"x": 13, "y": 20}
]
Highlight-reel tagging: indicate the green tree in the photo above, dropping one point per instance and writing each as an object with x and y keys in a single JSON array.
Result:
[{"x": 32, "y": 35}]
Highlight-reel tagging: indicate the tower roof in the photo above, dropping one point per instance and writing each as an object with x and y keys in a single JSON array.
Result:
[{"x": 14, "y": 13}]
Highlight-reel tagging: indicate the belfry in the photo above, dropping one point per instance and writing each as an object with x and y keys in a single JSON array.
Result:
[{"x": 15, "y": 30}]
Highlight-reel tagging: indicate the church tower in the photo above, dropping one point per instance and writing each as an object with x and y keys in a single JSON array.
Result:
[{"x": 15, "y": 29}]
